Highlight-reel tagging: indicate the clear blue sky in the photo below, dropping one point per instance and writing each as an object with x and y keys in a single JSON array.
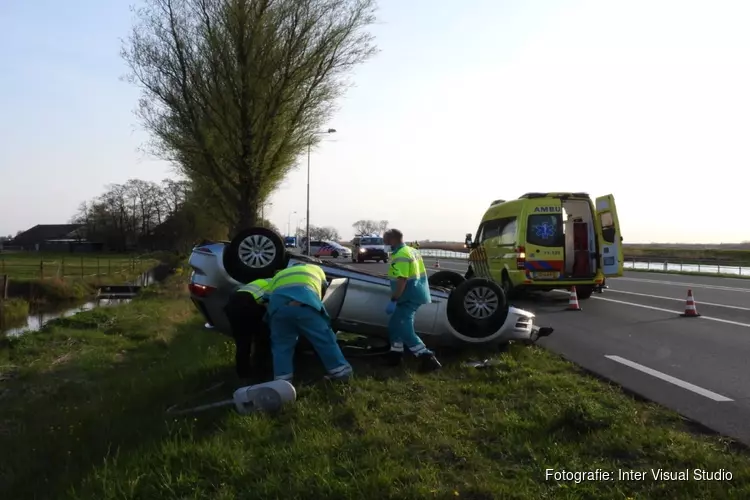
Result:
[{"x": 466, "y": 103}]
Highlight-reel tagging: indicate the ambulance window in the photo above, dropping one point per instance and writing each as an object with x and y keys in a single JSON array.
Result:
[
  {"x": 608, "y": 227},
  {"x": 492, "y": 229},
  {"x": 545, "y": 230},
  {"x": 508, "y": 234}
]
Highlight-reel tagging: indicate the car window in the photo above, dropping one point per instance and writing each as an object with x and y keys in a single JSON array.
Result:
[
  {"x": 371, "y": 241},
  {"x": 545, "y": 230}
]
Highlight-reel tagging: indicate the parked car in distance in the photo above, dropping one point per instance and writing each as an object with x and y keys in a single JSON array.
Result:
[
  {"x": 370, "y": 248},
  {"x": 462, "y": 311},
  {"x": 325, "y": 248}
]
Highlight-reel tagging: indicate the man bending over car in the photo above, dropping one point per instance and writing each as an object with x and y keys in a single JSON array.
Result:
[{"x": 245, "y": 311}]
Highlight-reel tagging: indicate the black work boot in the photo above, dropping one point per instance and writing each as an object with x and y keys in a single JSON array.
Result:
[
  {"x": 393, "y": 358},
  {"x": 428, "y": 363}
]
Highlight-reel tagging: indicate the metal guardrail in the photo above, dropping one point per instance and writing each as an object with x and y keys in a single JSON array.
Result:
[{"x": 668, "y": 264}]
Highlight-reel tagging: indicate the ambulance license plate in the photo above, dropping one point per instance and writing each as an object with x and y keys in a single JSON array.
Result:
[{"x": 547, "y": 275}]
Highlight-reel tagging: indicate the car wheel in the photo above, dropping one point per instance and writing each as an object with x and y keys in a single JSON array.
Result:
[
  {"x": 255, "y": 253},
  {"x": 335, "y": 254},
  {"x": 584, "y": 292},
  {"x": 477, "y": 309},
  {"x": 446, "y": 279}
]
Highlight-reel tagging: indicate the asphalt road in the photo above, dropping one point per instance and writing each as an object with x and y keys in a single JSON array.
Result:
[{"x": 633, "y": 335}]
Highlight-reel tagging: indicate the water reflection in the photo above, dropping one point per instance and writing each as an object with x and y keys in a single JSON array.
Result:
[{"x": 38, "y": 319}]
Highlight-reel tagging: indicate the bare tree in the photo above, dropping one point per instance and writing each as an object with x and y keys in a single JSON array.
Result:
[
  {"x": 321, "y": 233},
  {"x": 367, "y": 226},
  {"x": 234, "y": 91}
]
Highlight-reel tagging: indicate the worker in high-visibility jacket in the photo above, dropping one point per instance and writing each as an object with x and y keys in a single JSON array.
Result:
[
  {"x": 295, "y": 308},
  {"x": 409, "y": 291},
  {"x": 245, "y": 310}
]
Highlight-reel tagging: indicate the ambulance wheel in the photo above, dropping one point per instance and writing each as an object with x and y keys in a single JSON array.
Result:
[
  {"x": 335, "y": 254},
  {"x": 446, "y": 279},
  {"x": 255, "y": 253},
  {"x": 477, "y": 309},
  {"x": 584, "y": 292}
]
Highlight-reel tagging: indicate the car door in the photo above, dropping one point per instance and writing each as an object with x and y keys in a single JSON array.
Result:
[
  {"x": 610, "y": 238},
  {"x": 545, "y": 239},
  {"x": 478, "y": 256}
]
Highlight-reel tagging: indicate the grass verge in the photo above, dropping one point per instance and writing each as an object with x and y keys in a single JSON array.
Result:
[
  {"x": 82, "y": 415},
  {"x": 63, "y": 278},
  {"x": 13, "y": 310}
]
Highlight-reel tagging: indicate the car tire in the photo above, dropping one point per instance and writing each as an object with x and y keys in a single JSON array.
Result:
[
  {"x": 446, "y": 279},
  {"x": 255, "y": 253},
  {"x": 335, "y": 254},
  {"x": 477, "y": 309},
  {"x": 584, "y": 292}
]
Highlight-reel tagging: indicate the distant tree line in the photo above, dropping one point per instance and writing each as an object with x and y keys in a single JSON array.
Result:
[
  {"x": 319, "y": 233},
  {"x": 144, "y": 215}
]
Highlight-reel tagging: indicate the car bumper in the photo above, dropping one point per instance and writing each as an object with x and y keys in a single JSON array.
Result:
[{"x": 373, "y": 254}]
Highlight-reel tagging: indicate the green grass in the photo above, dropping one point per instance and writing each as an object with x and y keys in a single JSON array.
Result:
[
  {"x": 35, "y": 266},
  {"x": 61, "y": 278},
  {"x": 13, "y": 310},
  {"x": 82, "y": 415}
]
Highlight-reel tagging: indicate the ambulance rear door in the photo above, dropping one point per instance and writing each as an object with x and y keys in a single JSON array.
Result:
[{"x": 610, "y": 238}]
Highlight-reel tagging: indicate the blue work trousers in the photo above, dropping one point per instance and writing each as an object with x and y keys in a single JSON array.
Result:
[
  {"x": 401, "y": 330},
  {"x": 287, "y": 324}
]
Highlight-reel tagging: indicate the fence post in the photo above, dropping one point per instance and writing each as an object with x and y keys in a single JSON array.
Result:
[
  {"x": 4, "y": 289},
  {"x": 41, "y": 268},
  {"x": 97, "y": 266},
  {"x": 81, "y": 267},
  {"x": 62, "y": 264}
]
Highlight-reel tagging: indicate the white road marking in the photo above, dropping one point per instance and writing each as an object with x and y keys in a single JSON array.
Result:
[
  {"x": 679, "y": 300},
  {"x": 709, "y": 318},
  {"x": 686, "y": 285},
  {"x": 668, "y": 378}
]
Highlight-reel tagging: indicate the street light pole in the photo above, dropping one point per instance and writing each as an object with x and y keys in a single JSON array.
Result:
[
  {"x": 309, "y": 145},
  {"x": 289, "y": 224}
]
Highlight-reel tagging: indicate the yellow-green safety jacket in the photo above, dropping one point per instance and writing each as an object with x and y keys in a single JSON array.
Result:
[
  {"x": 303, "y": 283},
  {"x": 407, "y": 263},
  {"x": 258, "y": 289}
]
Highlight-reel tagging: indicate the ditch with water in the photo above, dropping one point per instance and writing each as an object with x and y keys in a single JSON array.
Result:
[{"x": 41, "y": 315}]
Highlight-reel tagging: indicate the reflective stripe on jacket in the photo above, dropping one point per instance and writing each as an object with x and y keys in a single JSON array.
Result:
[
  {"x": 257, "y": 289},
  {"x": 407, "y": 263}
]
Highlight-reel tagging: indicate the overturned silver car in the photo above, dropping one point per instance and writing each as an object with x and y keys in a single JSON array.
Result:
[{"x": 473, "y": 311}]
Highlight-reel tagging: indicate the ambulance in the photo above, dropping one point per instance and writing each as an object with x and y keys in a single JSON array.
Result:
[{"x": 548, "y": 241}]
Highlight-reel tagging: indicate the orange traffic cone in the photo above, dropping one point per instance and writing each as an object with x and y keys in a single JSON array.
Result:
[
  {"x": 437, "y": 264},
  {"x": 690, "y": 309},
  {"x": 573, "y": 301}
]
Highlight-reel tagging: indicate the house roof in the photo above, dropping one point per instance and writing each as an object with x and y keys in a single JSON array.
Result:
[{"x": 42, "y": 232}]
